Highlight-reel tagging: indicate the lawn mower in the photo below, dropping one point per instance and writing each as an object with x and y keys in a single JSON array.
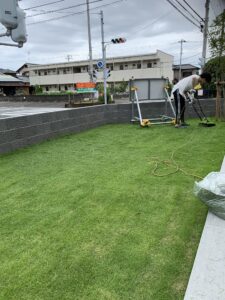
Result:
[{"x": 194, "y": 101}]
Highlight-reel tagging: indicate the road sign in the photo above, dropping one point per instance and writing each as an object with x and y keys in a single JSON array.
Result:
[
  {"x": 100, "y": 64},
  {"x": 86, "y": 87}
]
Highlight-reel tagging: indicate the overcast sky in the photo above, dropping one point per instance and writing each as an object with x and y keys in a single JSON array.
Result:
[{"x": 147, "y": 25}]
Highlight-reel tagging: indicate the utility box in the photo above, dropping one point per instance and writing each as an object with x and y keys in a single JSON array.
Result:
[
  {"x": 8, "y": 13},
  {"x": 19, "y": 35}
]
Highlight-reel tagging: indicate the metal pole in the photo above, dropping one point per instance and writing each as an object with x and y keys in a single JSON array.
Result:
[
  {"x": 104, "y": 58},
  {"x": 3, "y": 34},
  {"x": 11, "y": 45},
  {"x": 181, "y": 52},
  {"x": 138, "y": 107},
  {"x": 205, "y": 33},
  {"x": 89, "y": 42}
]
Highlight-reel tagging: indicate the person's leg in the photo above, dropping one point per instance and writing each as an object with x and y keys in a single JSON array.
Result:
[
  {"x": 182, "y": 108},
  {"x": 176, "y": 100}
]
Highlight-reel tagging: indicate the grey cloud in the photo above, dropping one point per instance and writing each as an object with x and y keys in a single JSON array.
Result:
[{"x": 147, "y": 24}]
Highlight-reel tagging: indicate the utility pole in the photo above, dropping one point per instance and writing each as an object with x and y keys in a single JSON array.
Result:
[
  {"x": 104, "y": 57},
  {"x": 181, "y": 53},
  {"x": 69, "y": 57},
  {"x": 89, "y": 42},
  {"x": 205, "y": 33}
]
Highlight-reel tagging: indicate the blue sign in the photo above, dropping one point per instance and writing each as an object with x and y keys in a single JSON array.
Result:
[{"x": 100, "y": 64}]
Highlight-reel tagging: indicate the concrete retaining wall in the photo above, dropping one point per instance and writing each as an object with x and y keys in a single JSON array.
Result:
[{"x": 27, "y": 130}]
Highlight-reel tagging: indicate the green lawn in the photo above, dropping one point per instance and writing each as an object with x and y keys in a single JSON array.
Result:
[{"x": 82, "y": 217}]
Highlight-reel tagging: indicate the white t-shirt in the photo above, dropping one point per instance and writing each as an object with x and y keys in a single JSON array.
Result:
[{"x": 186, "y": 84}]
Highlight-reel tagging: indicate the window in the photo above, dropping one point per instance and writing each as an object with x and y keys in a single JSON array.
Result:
[
  {"x": 59, "y": 88},
  {"x": 47, "y": 88},
  {"x": 110, "y": 67},
  {"x": 139, "y": 66},
  {"x": 64, "y": 71},
  {"x": 39, "y": 73},
  {"x": 149, "y": 65},
  {"x": 76, "y": 70},
  {"x": 66, "y": 88},
  {"x": 57, "y": 71},
  {"x": 121, "y": 67},
  {"x": 186, "y": 73},
  {"x": 45, "y": 73}
]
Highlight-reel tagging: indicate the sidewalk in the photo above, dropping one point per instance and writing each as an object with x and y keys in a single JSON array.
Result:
[{"x": 207, "y": 280}]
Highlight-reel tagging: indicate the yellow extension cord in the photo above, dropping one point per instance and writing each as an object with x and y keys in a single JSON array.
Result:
[{"x": 171, "y": 163}]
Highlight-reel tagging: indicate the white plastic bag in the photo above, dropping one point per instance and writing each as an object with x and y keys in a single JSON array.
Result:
[{"x": 211, "y": 191}]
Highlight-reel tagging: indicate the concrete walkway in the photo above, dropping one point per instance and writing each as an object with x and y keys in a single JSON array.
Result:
[
  {"x": 207, "y": 280},
  {"x": 13, "y": 112}
]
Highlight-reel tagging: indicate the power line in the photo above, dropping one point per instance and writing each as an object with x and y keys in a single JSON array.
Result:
[
  {"x": 63, "y": 8},
  {"x": 46, "y": 4},
  {"x": 182, "y": 13},
  {"x": 193, "y": 10},
  {"x": 75, "y": 13},
  {"x": 184, "y": 58},
  {"x": 42, "y": 10},
  {"x": 187, "y": 11},
  {"x": 57, "y": 18},
  {"x": 151, "y": 23}
]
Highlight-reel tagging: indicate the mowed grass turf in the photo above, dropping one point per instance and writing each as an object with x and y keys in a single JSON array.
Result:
[{"x": 82, "y": 216}]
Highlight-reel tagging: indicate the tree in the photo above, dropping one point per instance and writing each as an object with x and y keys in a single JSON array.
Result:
[
  {"x": 38, "y": 89},
  {"x": 217, "y": 43},
  {"x": 100, "y": 88},
  {"x": 217, "y": 47},
  {"x": 212, "y": 66}
]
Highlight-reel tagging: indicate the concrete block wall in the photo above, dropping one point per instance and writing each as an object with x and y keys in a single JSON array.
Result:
[{"x": 22, "y": 131}]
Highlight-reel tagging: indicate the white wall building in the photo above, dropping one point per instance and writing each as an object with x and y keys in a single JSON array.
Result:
[{"x": 63, "y": 76}]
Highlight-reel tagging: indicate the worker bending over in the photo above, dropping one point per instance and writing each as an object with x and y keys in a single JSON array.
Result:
[{"x": 180, "y": 90}]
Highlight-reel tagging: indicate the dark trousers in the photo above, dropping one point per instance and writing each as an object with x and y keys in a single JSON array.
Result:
[{"x": 179, "y": 106}]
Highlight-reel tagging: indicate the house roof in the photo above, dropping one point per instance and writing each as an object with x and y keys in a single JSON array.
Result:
[
  {"x": 7, "y": 71},
  {"x": 24, "y": 79},
  {"x": 26, "y": 65},
  {"x": 7, "y": 80},
  {"x": 185, "y": 67}
]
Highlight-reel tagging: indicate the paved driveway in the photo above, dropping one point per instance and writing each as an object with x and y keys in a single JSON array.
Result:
[{"x": 13, "y": 110}]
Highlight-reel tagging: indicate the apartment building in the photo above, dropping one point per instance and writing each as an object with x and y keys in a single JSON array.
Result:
[{"x": 63, "y": 76}]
